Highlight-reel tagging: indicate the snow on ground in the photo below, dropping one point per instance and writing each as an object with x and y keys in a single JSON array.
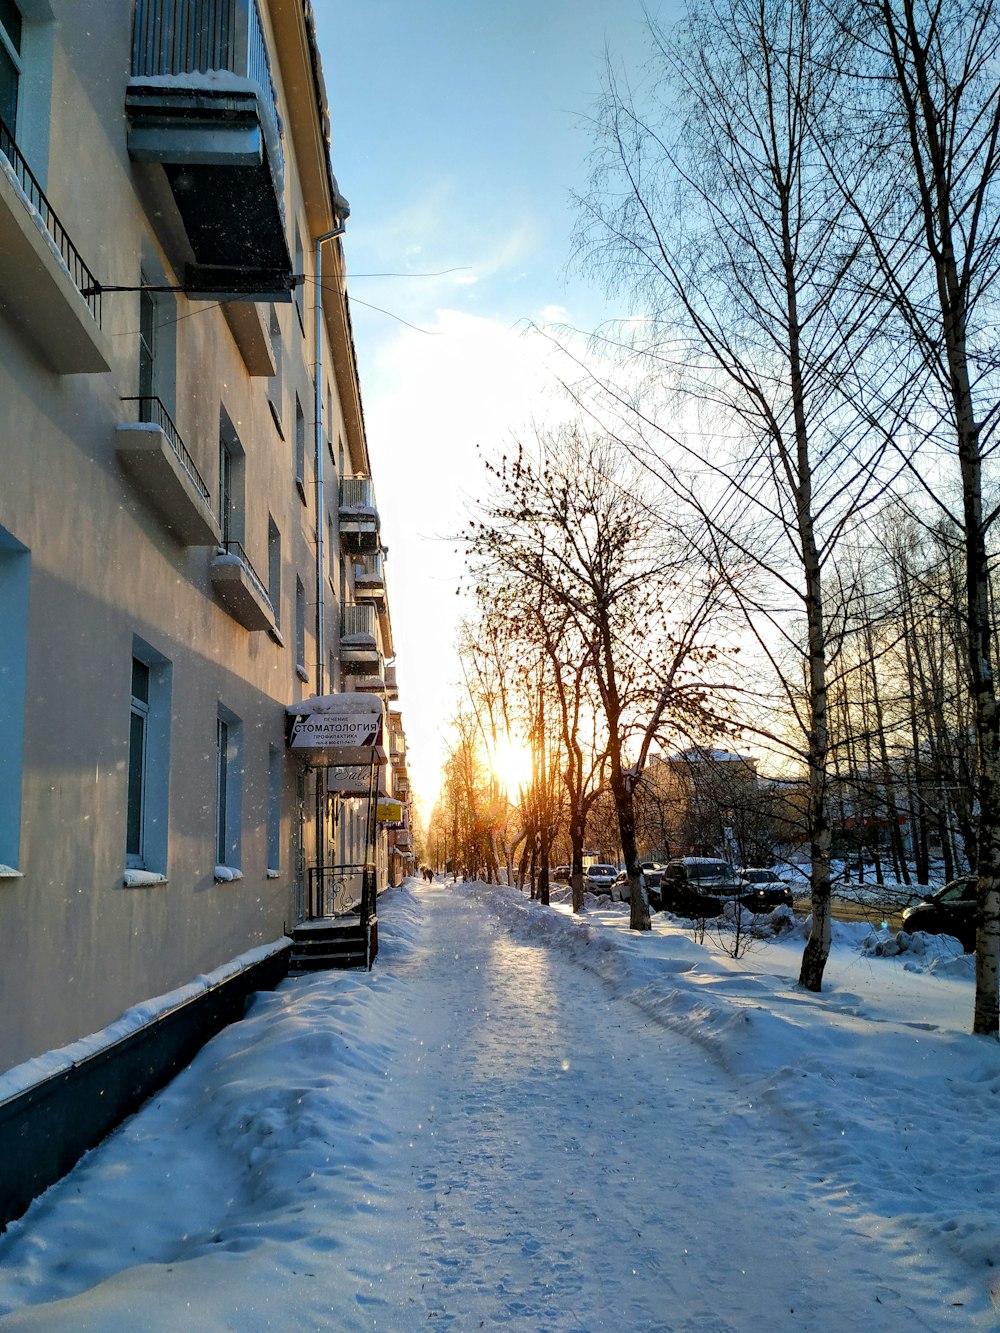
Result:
[{"x": 525, "y": 1120}]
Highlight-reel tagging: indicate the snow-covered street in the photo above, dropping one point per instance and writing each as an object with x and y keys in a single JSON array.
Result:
[{"x": 522, "y": 1121}]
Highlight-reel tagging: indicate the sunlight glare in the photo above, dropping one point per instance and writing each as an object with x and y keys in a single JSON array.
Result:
[{"x": 511, "y": 764}]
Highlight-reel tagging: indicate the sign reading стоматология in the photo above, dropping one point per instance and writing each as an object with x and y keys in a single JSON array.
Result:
[{"x": 335, "y": 729}]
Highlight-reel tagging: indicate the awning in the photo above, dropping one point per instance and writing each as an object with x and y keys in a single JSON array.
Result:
[{"x": 337, "y": 729}]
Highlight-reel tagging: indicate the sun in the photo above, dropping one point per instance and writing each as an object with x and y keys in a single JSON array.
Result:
[{"x": 511, "y": 763}]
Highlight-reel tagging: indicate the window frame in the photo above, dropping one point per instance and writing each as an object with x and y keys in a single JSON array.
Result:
[
  {"x": 228, "y": 788},
  {"x": 15, "y": 584},
  {"x": 151, "y": 851},
  {"x": 14, "y": 52}
]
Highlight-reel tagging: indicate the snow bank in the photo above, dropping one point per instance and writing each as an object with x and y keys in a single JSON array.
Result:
[{"x": 879, "y": 1072}]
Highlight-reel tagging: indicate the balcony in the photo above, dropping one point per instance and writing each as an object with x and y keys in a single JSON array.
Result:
[
  {"x": 372, "y": 684},
  {"x": 238, "y": 587},
  {"x": 359, "y": 521},
  {"x": 359, "y": 652},
  {"x": 391, "y": 688},
  {"x": 201, "y": 103},
  {"x": 45, "y": 286},
  {"x": 369, "y": 578},
  {"x": 154, "y": 457}
]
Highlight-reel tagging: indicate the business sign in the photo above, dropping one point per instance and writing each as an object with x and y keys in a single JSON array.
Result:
[
  {"x": 353, "y": 780},
  {"x": 338, "y": 730},
  {"x": 390, "y": 813}
]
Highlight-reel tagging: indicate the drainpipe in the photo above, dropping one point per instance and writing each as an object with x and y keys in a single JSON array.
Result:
[
  {"x": 320, "y": 811},
  {"x": 320, "y": 514}
]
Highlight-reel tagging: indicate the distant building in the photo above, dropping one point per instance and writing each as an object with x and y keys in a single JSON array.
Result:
[{"x": 190, "y": 543}]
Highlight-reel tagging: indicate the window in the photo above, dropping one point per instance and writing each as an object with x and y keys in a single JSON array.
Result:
[
  {"x": 228, "y": 788},
  {"x": 231, "y": 482},
  {"x": 15, "y": 566},
  {"x": 300, "y": 289},
  {"x": 300, "y": 629},
  {"x": 274, "y": 759},
  {"x": 157, "y": 335},
  {"x": 147, "y": 340},
  {"x": 148, "y": 760},
  {"x": 10, "y": 63},
  {"x": 274, "y": 569},
  {"x": 274, "y": 390},
  {"x": 225, "y": 490},
  {"x": 300, "y": 448},
  {"x": 329, "y": 425},
  {"x": 137, "y": 757}
]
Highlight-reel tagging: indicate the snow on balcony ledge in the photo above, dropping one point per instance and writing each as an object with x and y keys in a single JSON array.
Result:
[
  {"x": 10, "y": 872},
  {"x": 225, "y": 874}
]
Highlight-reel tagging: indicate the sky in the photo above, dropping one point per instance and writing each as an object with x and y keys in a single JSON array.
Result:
[
  {"x": 529, "y": 1121},
  {"x": 458, "y": 134}
]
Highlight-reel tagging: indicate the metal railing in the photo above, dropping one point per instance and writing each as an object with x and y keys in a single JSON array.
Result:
[
  {"x": 83, "y": 279},
  {"x": 235, "y": 548},
  {"x": 369, "y": 566},
  {"x": 172, "y": 37},
  {"x": 151, "y": 410},
  {"x": 339, "y": 890},
  {"x": 357, "y": 619},
  {"x": 357, "y": 493}
]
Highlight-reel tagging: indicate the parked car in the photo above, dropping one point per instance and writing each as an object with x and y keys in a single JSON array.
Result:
[
  {"x": 764, "y": 889},
  {"x": 621, "y": 886},
  {"x": 600, "y": 878},
  {"x": 698, "y": 886},
  {"x": 562, "y": 873},
  {"x": 949, "y": 911},
  {"x": 652, "y": 873}
]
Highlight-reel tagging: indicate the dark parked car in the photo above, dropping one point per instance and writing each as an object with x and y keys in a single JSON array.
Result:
[
  {"x": 763, "y": 889},
  {"x": 949, "y": 911},
  {"x": 698, "y": 886},
  {"x": 653, "y": 874},
  {"x": 562, "y": 873}
]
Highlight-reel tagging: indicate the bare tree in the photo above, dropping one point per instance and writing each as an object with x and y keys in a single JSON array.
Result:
[
  {"x": 570, "y": 524},
  {"x": 926, "y": 107},
  {"x": 711, "y": 207}
]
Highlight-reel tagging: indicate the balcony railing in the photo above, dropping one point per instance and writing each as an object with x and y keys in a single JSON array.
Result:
[
  {"x": 236, "y": 549},
  {"x": 369, "y": 567},
  {"x": 194, "y": 36},
  {"x": 357, "y": 621},
  {"x": 83, "y": 279},
  {"x": 357, "y": 493},
  {"x": 152, "y": 410}
]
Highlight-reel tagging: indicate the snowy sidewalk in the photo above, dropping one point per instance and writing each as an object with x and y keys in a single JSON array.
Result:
[{"x": 478, "y": 1134}]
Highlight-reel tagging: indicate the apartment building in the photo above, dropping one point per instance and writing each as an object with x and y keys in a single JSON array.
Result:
[{"x": 190, "y": 546}]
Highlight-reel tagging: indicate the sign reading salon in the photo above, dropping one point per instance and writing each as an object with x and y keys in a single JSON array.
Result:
[{"x": 337, "y": 729}]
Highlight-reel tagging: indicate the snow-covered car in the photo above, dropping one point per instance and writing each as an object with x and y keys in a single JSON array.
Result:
[
  {"x": 764, "y": 889},
  {"x": 949, "y": 911},
  {"x": 599, "y": 878},
  {"x": 698, "y": 886}
]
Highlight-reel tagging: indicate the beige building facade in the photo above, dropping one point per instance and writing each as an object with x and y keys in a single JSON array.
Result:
[{"x": 189, "y": 539}]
